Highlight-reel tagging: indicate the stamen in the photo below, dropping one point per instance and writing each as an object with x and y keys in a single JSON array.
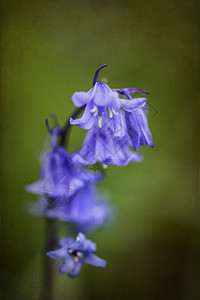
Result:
[
  {"x": 96, "y": 113},
  {"x": 70, "y": 251},
  {"x": 79, "y": 254},
  {"x": 110, "y": 112},
  {"x": 95, "y": 110},
  {"x": 76, "y": 258},
  {"x": 114, "y": 112},
  {"x": 100, "y": 122}
]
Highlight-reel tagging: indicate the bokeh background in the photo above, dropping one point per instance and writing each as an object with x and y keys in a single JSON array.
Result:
[{"x": 49, "y": 49}]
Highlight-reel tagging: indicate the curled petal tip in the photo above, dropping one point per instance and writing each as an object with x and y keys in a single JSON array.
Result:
[{"x": 97, "y": 74}]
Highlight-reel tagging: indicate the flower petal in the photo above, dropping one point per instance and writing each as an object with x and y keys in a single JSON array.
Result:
[
  {"x": 103, "y": 95},
  {"x": 133, "y": 130},
  {"x": 103, "y": 150},
  {"x": 83, "y": 160},
  {"x": 95, "y": 261},
  {"x": 35, "y": 187},
  {"x": 130, "y": 90},
  {"x": 66, "y": 241},
  {"x": 119, "y": 124},
  {"x": 76, "y": 270},
  {"x": 100, "y": 214},
  {"x": 82, "y": 244},
  {"x": 81, "y": 98},
  {"x": 123, "y": 156},
  {"x": 57, "y": 213},
  {"x": 85, "y": 156},
  {"x": 133, "y": 104},
  {"x": 91, "y": 176},
  {"x": 94, "y": 148},
  {"x": 86, "y": 121},
  {"x": 60, "y": 253},
  {"x": 67, "y": 266},
  {"x": 143, "y": 123}
]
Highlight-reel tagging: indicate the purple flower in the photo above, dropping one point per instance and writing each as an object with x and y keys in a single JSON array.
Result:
[
  {"x": 102, "y": 145},
  {"x": 87, "y": 212},
  {"x": 136, "y": 123},
  {"x": 103, "y": 106},
  {"x": 60, "y": 178},
  {"x": 76, "y": 253},
  {"x": 114, "y": 125}
]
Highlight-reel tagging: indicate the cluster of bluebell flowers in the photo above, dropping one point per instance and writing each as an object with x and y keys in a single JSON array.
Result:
[{"x": 116, "y": 122}]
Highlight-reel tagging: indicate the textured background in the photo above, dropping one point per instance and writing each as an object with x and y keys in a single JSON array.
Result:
[{"x": 49, "y": 49}]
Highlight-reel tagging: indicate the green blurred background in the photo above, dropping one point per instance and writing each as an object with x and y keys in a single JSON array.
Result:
[{"x": 51, "y": 49}]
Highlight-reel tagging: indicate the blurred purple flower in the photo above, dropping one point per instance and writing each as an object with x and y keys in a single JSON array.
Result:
[
  {"x": 87, "y": 212},
  {"x": 76, "y": 253},
  {"x": 60, "y": 178}
]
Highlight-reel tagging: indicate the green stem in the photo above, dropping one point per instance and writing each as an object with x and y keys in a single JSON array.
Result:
[{"x": 50, "y": 243}]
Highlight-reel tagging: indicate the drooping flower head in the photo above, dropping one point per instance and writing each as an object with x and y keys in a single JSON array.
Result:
[
  {"x": 87, "y": 212},
  {"x": 76, "y": 253},
  {"x": 114, "y": 125},
  {"x": 60, "y": 178},
  {"x": 101, "y": 145},
  {"x": 103, "y": 107}
]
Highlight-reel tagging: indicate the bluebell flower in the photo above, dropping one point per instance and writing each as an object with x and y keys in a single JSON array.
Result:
[
  {"x": 136, "y": 122},
  {"x": 102, "y": 145},
  {"x": 60, "y": 178},
  {"x": 103, "y": 106},
  {"x": 87, "y": 212},
  {"x": 114, "y": 125},
  {"x": 76, "y": 253}
]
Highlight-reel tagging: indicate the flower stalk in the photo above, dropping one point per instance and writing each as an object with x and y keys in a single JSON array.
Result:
[
  {"x": 66, "y": 187},
  {"x": 48, "y": 264}
]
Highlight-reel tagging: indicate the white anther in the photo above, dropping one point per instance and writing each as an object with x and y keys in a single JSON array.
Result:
[
  {"x": 94, "y": 110},
  {"x": 76, "y": 258},
  {"x": 79, "y": 254},
  {"x": 114, "y": 112},
  {"x": 70, "y": 251},
  {"x": 110, "y": 112},
  {"x": 100, "y": 122}
]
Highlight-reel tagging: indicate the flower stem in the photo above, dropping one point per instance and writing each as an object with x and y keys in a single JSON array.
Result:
[{"x": 48, "y": 264}]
